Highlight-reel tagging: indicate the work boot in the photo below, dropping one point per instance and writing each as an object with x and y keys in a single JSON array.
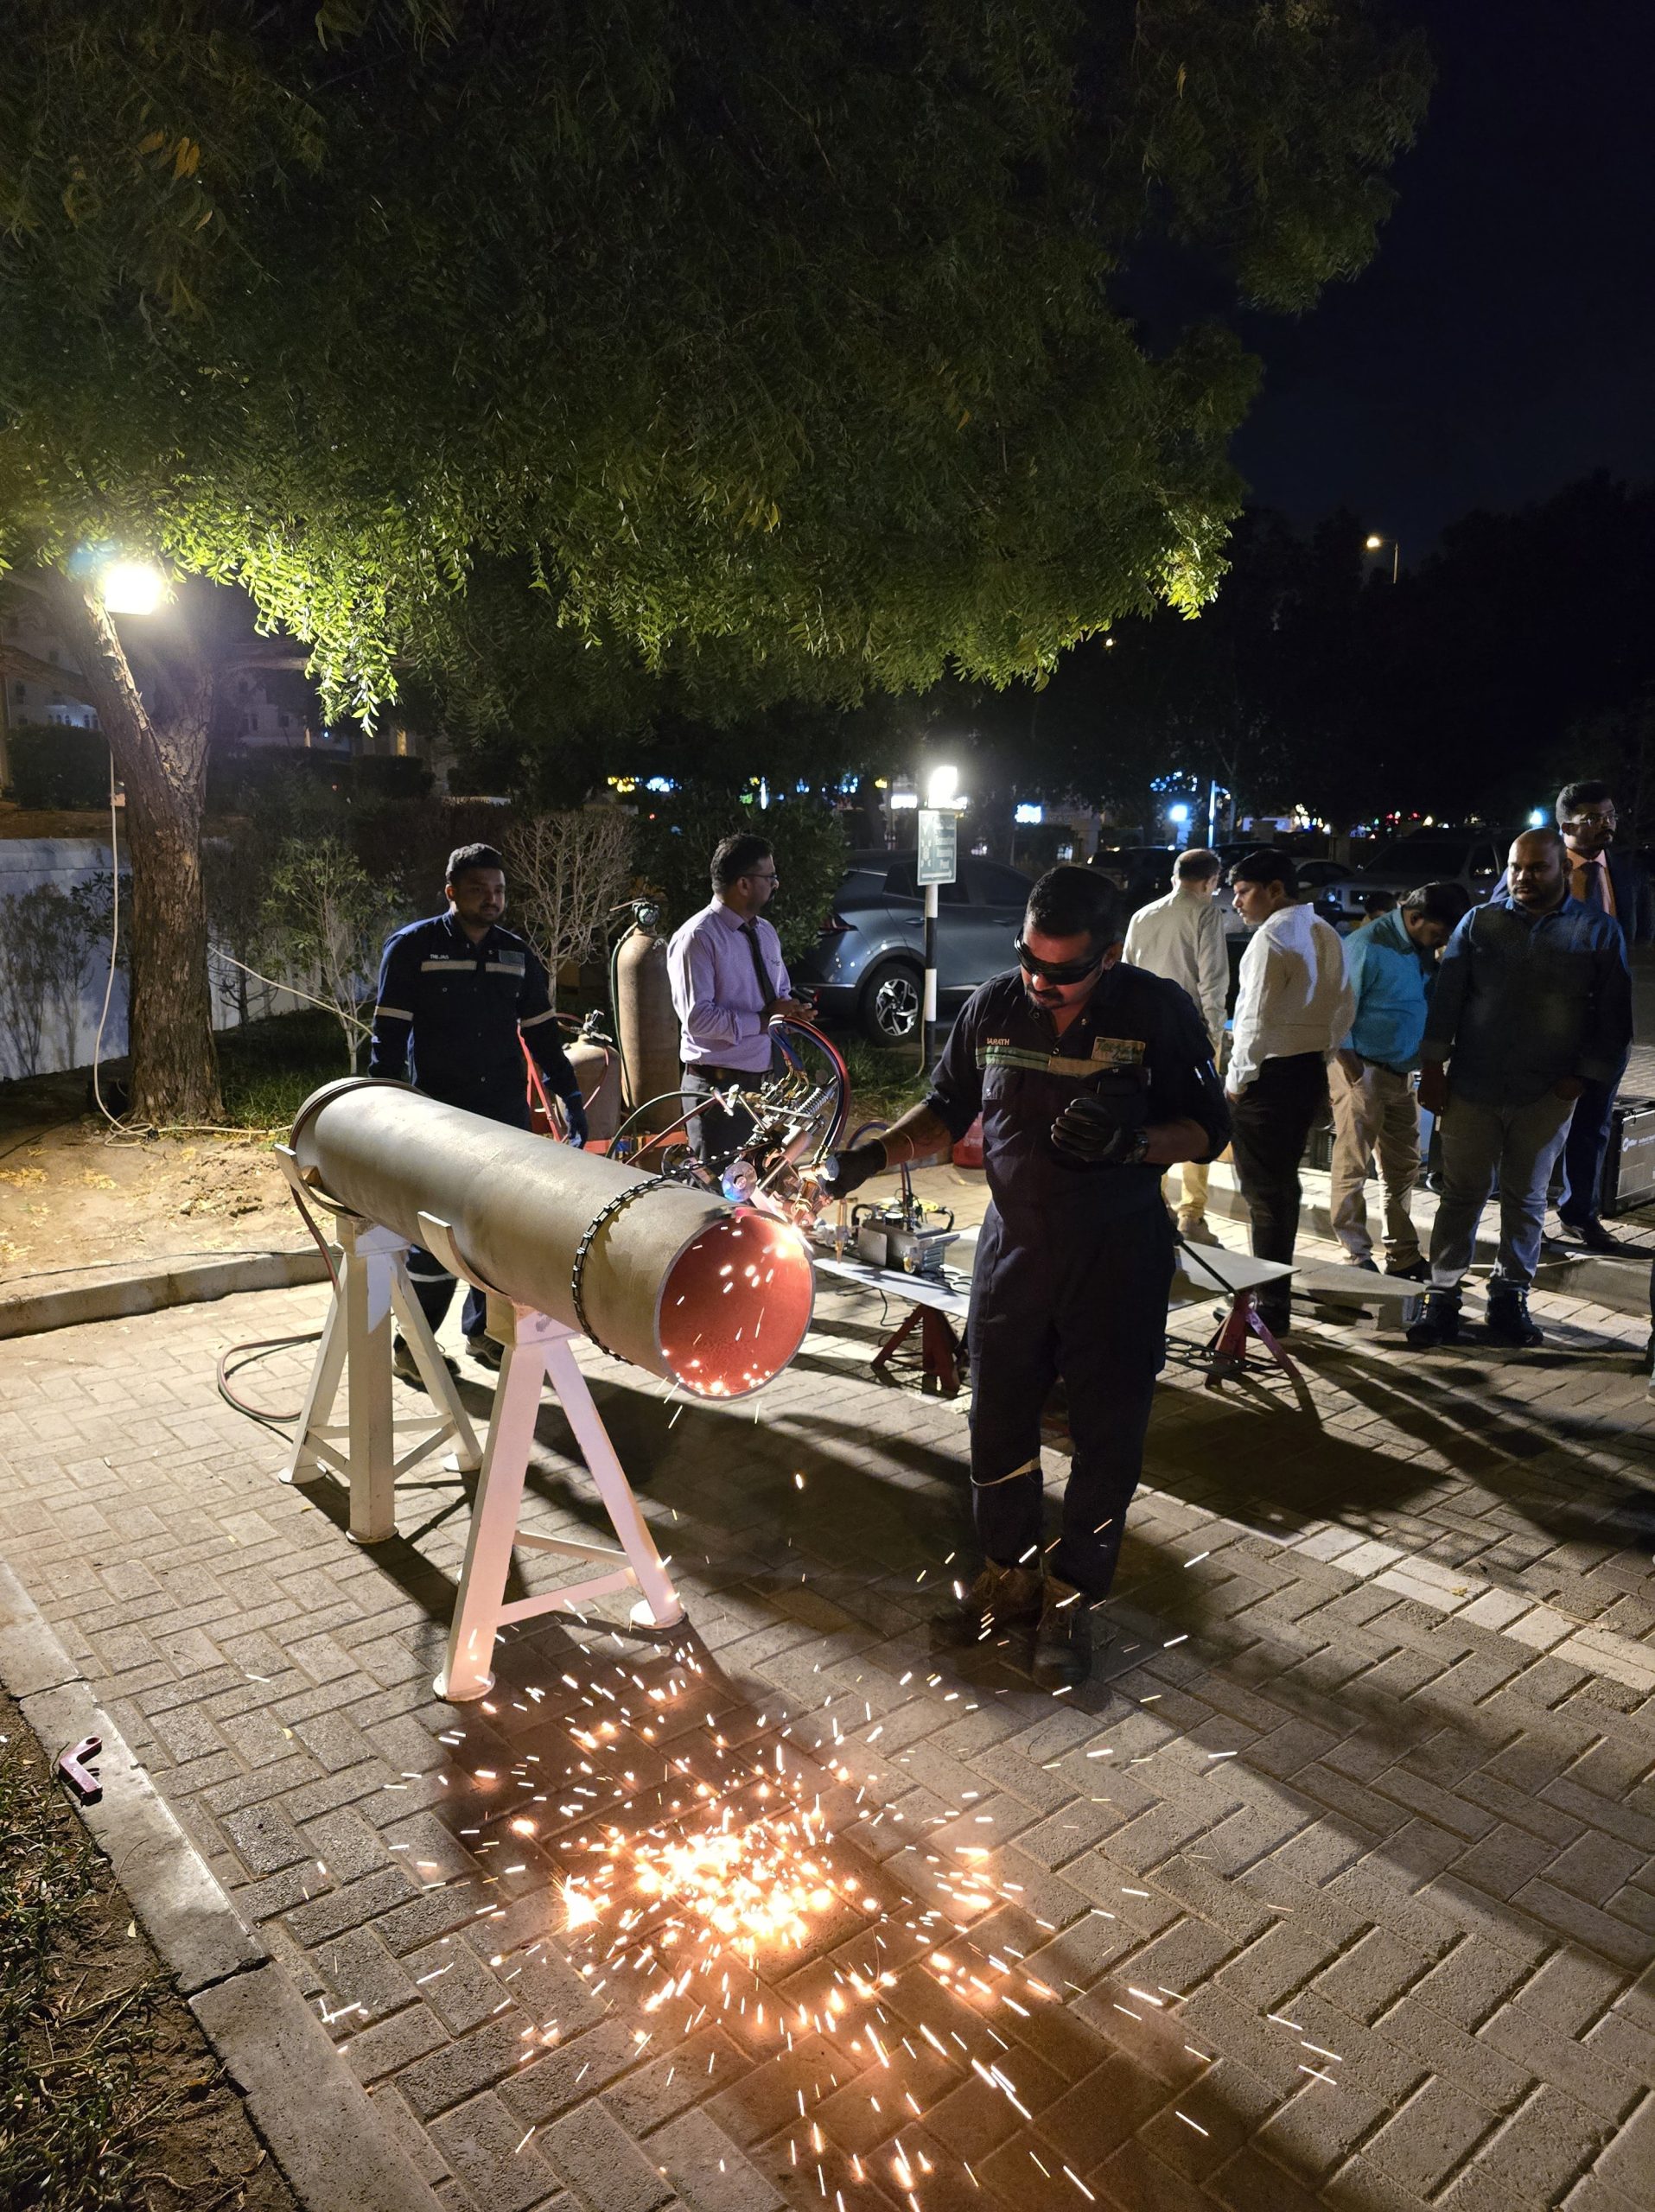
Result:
[
  {"x": 1195, "y": 1230},
  {"x": 405, "y": 1367},
  {"x": 1063, "y": 1640},
  {"x": 1438, "y": 1324},
  {"x": 484, "y": 1351},
  {"x": 1000, "y": 1597},
  {"x": 1508, "y": 1321}
]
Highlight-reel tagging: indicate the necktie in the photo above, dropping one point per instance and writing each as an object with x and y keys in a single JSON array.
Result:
[
  {"x": 1591, "y": 890},
  {"x": 767, "y": 989}
]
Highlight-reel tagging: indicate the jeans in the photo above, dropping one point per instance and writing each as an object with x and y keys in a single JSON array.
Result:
[
  {"x": 1089, "y": 1306},
  {"x": 1378, "y": 1114},
  {"x": 1584, "y": 1150},
  {"x": 1520, "y": 1145},
  {"x": 1270, "y": 1125}
]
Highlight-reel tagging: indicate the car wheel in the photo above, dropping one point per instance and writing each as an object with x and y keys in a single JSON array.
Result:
[{"x": 888, "y": 1009}]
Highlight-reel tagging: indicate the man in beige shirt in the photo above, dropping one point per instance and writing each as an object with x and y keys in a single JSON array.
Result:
[{"x": 1180, "y": 937}]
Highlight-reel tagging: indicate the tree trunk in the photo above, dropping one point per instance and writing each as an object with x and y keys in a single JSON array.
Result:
[{"x": 161, "y": 759}]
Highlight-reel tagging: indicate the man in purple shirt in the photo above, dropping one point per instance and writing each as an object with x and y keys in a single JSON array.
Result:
[{"x": 729, "y": 985}]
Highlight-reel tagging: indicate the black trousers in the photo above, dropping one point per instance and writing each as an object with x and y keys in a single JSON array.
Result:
[
  {"x": 1088, "y": 1305},
  {"x": 716, "y": 1136},
  {"x": 1584, "y": 1148},
  {"x": 1270, "y": 1126}
]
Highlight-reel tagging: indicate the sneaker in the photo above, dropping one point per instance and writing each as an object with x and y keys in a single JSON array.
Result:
[
  {"x": 405, "y": 1367},
  {"x": 1368, "y": 1264},
  {"x": 1439, "y": 1324},
  {"x": 484, "y": 1351},
  {"x": 1196, "y": 1232},
  {"x": 1063, "y": 1640},
  {"x": 1508, "y": 1321},
  {"x": 1000, "y": 1597},
  {"x": 1418, "y": 1269}
]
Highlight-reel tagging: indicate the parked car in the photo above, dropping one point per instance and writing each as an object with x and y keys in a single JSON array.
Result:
[
  {"x": 1475, "y": 858},
  {"x": 868, "y": 966},
  {"x": 1143, "y": 872}
]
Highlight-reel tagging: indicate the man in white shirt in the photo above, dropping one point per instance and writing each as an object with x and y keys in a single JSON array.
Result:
[
  {"x": 1294, "y": 1007},
  {"x": 1181, "y": 938}
]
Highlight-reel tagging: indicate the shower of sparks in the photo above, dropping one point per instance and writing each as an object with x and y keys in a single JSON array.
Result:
[{"x": 699, "y": 1855}]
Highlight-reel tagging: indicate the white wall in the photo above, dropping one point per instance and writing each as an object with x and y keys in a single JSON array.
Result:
[{"x": 64, "y": 862}]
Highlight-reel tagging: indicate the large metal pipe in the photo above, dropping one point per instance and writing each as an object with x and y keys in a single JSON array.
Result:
[{"x": 715, "y": 1298}]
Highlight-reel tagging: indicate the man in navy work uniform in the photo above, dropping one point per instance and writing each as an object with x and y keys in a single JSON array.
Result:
[
  {"x": 1091, "y": 1077},
  {"x": 460, "y": 991}
]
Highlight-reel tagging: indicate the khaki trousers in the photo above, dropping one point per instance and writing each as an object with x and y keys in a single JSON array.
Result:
[
  {"x": 1379, "y": 1114},
  {"x": 1190, "y": 1205}
]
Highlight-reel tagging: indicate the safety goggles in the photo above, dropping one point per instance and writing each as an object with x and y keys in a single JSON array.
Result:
[{"x": 1057, "y": 971}]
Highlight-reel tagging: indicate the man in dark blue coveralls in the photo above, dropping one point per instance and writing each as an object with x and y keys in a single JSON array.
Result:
[
  {"x": 461, "y": 990},
  {"x": 1091, "y": 1077}
]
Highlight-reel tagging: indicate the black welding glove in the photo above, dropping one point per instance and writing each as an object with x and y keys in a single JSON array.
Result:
[
  {"x": 841, "y": 1172},
  {"x": 1097, "y": 1127}
]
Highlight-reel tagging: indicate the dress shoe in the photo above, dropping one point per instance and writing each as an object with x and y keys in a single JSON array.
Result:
[{"x": 1418, "y": 1269}]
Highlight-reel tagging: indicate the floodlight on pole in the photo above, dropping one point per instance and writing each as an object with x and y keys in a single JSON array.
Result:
[
  {"x": 1374, "y": 543},
  {"x": 942, "y": 786},
  {"x": 131, "y": 588}
]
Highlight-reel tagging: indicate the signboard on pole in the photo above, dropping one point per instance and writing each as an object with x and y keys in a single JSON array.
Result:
[{"x": 938, "y": 847}]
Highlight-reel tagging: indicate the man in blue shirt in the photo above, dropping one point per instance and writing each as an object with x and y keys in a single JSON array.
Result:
[
  {"x": 1091, "y": 1077},
  {"x": 1390, "y": 965},
  {"x": 1533, "y": 1000},
  {"x": 460, "y": 992}
]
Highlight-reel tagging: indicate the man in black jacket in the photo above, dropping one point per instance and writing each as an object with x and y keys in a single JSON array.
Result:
[{"x": 1599, "y": 877}]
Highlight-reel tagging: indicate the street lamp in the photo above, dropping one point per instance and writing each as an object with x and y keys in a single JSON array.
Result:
[
  {"x": 1374, "y": 543},
  {"x": 131, "y": 588}
]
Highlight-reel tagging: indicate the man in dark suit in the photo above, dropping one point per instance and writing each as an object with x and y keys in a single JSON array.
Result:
[{"x": 1598, "y": 876}]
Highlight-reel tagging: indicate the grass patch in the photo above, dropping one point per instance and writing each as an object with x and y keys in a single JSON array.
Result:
[
  {"x": 268, "y": 1069},
  {"x": 108, "y": 2095},
  {"x": 885, "y": 1079}
]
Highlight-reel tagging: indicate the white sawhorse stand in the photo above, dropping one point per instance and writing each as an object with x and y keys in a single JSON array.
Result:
[
  {"x": 541, "y": 1351},
  {"x": 356, "y": 1342}
]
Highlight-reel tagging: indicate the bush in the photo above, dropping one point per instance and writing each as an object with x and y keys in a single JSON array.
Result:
[
  {"x": 390, "y": 776},
  {"x": 675, "y": 849},
  {"x": 55, "y": 764}
]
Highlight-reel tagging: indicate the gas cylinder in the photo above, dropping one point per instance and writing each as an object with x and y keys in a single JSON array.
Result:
[
  {"x": 597, "y": 1070},
  {"x": 645, "y": 1025}
]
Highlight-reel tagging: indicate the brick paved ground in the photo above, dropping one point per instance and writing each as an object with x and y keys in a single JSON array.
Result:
[{"x": 1341, "y": 1872}]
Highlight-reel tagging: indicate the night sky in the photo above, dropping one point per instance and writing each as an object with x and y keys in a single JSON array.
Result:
[{"x": 1503, "y": 340}]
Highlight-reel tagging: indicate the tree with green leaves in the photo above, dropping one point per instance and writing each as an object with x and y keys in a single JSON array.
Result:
[{"x": 775, "y": 349}]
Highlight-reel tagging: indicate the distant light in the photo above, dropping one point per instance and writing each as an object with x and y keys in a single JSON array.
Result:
[
  {"x": 659, "y": 783},
  {"x": 900, "y": 801},
  {"x": 1179, "y": 814},
  {"x": 942, "y": 785},
  {"x": 1030, "y": 815},
  {"x": 1373, "y": 542},
  {"x": 1537, "y": 818},
  {"x": 1109, "y": 645},
  {"x": 131, "y": 588}
]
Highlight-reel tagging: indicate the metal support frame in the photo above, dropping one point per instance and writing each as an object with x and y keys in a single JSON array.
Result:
[
  {"x": 940, "y": 1346},
  {"x": 1227, "y": 1348},
  {"x": 356, "y": 1344},
  {"x": 542, "y": 1351}
]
